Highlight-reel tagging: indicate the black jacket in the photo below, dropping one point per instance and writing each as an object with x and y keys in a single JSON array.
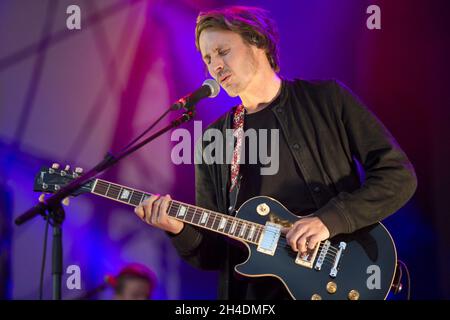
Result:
[{"x": 327, "y": 128}]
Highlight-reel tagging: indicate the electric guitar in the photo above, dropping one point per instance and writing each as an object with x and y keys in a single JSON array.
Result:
[{"x": 353, "y": 266}]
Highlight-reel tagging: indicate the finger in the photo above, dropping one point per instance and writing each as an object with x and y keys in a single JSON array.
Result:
[
  {"x": 162, "y": 216},
  {"x": 301, "y": 243},
  {"x": 312, "y": 242},
  {"x": 148, "y": 207},
  {"x": 139, "y": 210},
  {"x": 42, "y": 197},
  {"x": 294, "y": 234},
  {"x": 155, "y": 211},
  {"x": 66, "y": 201}
]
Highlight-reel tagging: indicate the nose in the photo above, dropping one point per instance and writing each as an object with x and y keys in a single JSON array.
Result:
[{"x": 217, "y": 66}]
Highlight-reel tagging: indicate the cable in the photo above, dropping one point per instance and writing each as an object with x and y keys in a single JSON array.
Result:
[
  {"x": 44, "y": 254},
  {"x": 145, "y": 131},
  {"x": 408, "y": 278}
]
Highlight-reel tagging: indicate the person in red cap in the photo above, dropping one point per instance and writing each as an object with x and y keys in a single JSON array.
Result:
[{"x": 134, "y": 282}]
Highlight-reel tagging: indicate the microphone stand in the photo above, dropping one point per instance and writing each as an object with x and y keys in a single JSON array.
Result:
[{"x": 52, "y": 209}]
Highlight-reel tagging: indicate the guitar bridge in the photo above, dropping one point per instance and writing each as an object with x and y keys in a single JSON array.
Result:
[
  {"x": 307, "y": 260},
  {"x": 269, "y": 238},
  {"x": 334, "y": 269}
]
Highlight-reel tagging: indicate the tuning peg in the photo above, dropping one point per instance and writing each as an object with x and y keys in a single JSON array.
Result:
[
  {"x": 55, "y": 166},
  {"x": 79, "y": 170},
  {"x": 67, "y": 168}
]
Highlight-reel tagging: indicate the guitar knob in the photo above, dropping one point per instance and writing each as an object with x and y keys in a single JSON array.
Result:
[
  {"x": 315, "y": 296},
  {"x": 55, "y": 166},
  {"x": 331, "y": 287},
  {"x": 353, "y": 295}
]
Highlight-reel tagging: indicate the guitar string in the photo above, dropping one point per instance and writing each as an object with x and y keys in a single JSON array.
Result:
[
  {"x": 259, "y": 228},
  {"x": 329, "y": 256},
  {"x": 331, "y": 252}
]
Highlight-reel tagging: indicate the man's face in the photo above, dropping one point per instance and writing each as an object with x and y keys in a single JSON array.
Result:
[
  {"x": 230, "y": 61},
  {"x": 134, "y": 289}
]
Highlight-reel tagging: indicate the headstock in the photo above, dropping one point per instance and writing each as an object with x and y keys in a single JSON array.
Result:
[{"x": 51, "y": 179}]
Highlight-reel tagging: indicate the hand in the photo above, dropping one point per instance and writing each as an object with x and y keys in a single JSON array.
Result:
[
  {"x": 65, "y": 201},
  {"x": 153, "y": 211},
  {"x": 306, "y": 233}
]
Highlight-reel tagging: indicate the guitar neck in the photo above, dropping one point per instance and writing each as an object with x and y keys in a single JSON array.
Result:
[{"x": 232, "y": 227}]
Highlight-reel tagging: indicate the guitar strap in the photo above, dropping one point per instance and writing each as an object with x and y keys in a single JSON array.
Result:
[{"x": 235, "y": 177}]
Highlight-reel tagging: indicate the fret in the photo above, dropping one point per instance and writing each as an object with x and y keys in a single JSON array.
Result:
[
  {"x": 142, "y": 198},
  {"x": 197, "y": 216},
  {"x": 135, "y": 198},
  {"x": 252, "y": 230},
  {"x": 131, "y": 195},
  {"x": 173, "y": 209},
  {"x": 100, "y": 188},
  {"x": 204, "y": 218},
  {"x": 211, "y": 220},
  {"x": 113, "y": 192},
  {"x": 190, "y": 215},
  {"x": 222, "y": 223},
  {"x": 238, "y": 228},
  {"x": 215, "y": 221},
  {"x": 170, "y": 206},
  {"x": 118, "y": 195},
  {"x": 228, "y": 225},
  {"x": 125, "y": 194},
  {"x": 256, "y": 235},
  {"x": 181, "y": 212},
  {"x": 247, "y": 231},
  {"x": 107, "y": 189},
  {"x": 95, "y": 185},
  {"x": 243, "y": 227},
  {"x": 233, "y": 227}
]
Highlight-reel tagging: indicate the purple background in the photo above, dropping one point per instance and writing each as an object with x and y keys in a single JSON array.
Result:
[{"x": 70, "y": 96}]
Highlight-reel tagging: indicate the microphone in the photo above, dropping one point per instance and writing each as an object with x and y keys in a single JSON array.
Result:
[{"x": 210, "y": 88}]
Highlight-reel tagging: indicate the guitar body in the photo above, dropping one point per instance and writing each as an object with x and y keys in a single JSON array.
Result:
[{"x": 367, "y": 264}]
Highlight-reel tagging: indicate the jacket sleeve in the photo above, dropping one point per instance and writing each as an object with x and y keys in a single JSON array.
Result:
[
  {"x": 390, "y": 180},
  {"x": 199, "y": 247}
]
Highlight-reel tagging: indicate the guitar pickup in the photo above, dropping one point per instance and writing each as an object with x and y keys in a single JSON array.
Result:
[{"x": 269, "y": 239}]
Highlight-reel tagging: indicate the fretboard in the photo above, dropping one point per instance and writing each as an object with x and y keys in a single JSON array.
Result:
[{"x": 227, "y": 225}]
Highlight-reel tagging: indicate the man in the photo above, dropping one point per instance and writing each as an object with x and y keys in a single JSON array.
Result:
[{"x": 324, "y": 128}]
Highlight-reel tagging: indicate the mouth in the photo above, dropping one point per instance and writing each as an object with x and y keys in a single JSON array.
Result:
[{"x": 225, "y": 78}]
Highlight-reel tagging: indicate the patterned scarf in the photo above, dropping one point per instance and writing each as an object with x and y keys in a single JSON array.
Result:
[{"x": 238, "y": 133}]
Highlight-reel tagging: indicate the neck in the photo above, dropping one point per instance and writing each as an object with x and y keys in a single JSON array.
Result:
[{"x": 261, "y": 91}]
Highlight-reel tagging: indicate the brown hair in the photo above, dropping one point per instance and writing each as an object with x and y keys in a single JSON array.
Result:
[{"x": 253, "y": 24}]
